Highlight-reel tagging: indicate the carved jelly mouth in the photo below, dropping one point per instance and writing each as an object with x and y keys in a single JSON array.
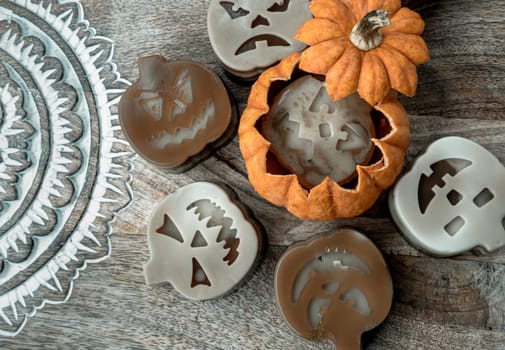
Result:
[{"x": 250, "y": 44}]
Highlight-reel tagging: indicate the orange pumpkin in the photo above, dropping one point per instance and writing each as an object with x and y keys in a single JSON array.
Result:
[
  {"x": 327, "y": 200},
  {"x": 369, "y": 46}
]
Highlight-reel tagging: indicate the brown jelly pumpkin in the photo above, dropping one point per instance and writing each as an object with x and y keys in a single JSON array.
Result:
[{"x": 327, "y": 200}]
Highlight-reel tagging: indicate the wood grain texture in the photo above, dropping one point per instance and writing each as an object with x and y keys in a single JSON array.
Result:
[{"x": 453, "y": 303}]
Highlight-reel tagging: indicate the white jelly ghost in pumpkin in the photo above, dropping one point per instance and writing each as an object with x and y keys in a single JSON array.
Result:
[
  {"x": 452, "y": 199},
  {"x": 201, "y": 242},
  {"x": 248, "y": 36}
]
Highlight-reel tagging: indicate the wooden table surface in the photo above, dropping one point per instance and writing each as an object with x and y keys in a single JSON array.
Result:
[{"x": 456, "y": 303}]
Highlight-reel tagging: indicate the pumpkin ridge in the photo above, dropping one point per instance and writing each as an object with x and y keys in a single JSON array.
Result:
[
  {"x": 352, "y": 5},
  {"x": 335, "y": 11},
  {"x": 401, "y": 71},
  {"x": 315, "y": 59},
  {"x": 374, "y": 80},
  {"x": 391, "y": 6},
  {"x": 316, "y": 30},
  {"x": 406, "y": 21},
  {"x": 342, "y": 78},
  {"x": 410, "y": 45}
]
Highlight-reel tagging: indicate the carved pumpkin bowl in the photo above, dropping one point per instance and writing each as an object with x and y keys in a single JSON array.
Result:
[{"x": 328, "y": 199}]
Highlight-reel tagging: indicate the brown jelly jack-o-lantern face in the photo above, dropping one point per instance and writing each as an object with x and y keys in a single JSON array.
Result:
[
  {"x": 335, "y": 286},
  {"x": 249, "y": 36},
  {"x": 174, "y": 110},
  {"x": 316, "y": 137}
]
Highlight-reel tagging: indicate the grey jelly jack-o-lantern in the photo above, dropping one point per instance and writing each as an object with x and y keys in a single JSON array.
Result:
[
  {"x": 248, "y": 36},
  {"x": 201, "y": 242},
  {"x": 451, "y": 200}
]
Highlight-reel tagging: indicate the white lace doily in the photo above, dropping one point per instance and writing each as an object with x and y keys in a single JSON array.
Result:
[{"x": 63, "y": 171}]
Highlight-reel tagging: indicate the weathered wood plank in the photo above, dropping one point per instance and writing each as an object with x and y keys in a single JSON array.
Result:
[
  {"x": 439, "y": 303},
  {"x": 442, "y": 305}
]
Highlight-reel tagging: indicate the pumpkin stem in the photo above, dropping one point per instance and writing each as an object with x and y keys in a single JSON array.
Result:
[{"x": 366, "y": 35}]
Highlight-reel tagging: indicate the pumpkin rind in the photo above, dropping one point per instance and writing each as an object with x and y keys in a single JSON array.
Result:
[
  {"x": 400, "y": 50},
  {"x": 328, "y": 200}
]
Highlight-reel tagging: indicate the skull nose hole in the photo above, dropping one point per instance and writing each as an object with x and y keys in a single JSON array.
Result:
[
  {"x": 199, "y": 240},
  {"x": 454, "y": 225},
  {"x": 325, "y": 130},
  {"x": 260, "y": 21}
]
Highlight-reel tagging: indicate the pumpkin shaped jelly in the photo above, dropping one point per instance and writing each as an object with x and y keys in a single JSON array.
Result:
[
  {"x": 328, "y": 199},
  {"x": 334, "y": 287},
  {"x": 176, "y": 113}
]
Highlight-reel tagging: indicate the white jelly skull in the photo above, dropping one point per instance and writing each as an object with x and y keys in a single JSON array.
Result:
[
  {"x": 316, "y": 137},
  {"x": 248, "y": 36},
  {"x": 452, "y": 199},
  {"x": 200, "y": 242}
]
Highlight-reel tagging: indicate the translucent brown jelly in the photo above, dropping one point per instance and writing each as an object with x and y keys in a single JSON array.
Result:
[
  {"x": 334, "y": 287},
  {"x": 176, "y": 113}
]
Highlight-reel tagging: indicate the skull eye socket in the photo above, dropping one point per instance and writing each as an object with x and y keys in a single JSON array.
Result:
[
  {"x": 170, "y": 229},
  {"x": 484, "y": 197},
  {"x": 279, "y": 7},
  {"x": 234, "y": 13},
  {"x": 454, "y": 197}
]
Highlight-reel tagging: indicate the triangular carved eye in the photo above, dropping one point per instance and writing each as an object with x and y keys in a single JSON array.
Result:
[
  {"x": 199, "y": 275},
  {"x": 169, "y": 229},
  {"x": 152, "y": 103},
  {"x": 232, "y": 11},
  {"x": 279, "y": 7},
  {"x": 199, "y": 240}
]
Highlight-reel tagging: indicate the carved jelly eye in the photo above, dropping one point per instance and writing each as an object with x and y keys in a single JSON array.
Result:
[
  {"x": 152, "y": 103},
  {"x": 276, "y": 7},
  {"x": 229, "y": 7}
]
